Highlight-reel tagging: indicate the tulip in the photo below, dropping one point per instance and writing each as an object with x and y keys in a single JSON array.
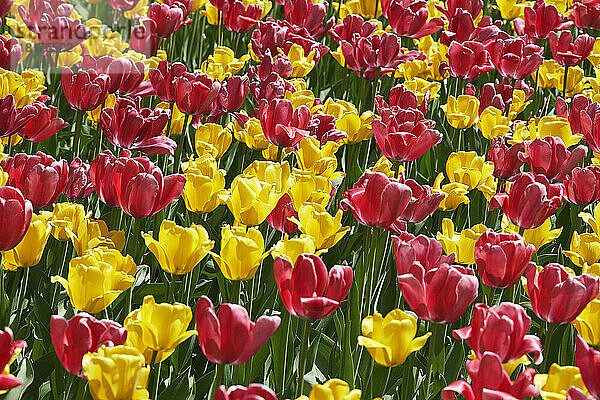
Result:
[
  {"x": 204, "y": 188},
  {"x": 85, "y": 90},
  {"x": 532, "y": 199},
  {"x": 488, "y": 378},
  {"x": 556, "y": 295},
  {"x": 12, "y": 120},
  {"x": 440, "y": 294},
  {"x": 254, "y": 391},
  {"x": 252, "y": 200},
  {"x": 28, "y": 252},
  {"x": 80, "y": 335},
  {"x": 66, "y": 217},
  {"x": 308, "y": 15},
  {"x": 230, "y": 337},
  {"x": 592, "y": 220},
  {"x": 10, "y": 350},
  {"x": 90, "y": 234},
  {"x": 587, "y": 323},
  {"x": 155, "y": 330},
  {"x": 468, "y": 168},
  {"x": 79, "y": 182},
  {"x": 235, "y": 89},
  {"x": 196, "y": 93},
  {"x": 97, "y": 278},
  {"x": 223, "y": 65},
  {"x": 585, "y": 14},
  {"x": 568, "y": 52},
  {"x": 11, "y": 52},
  {"x": 584, "y": 249},
  {"x": 280, "y": 216},
  {"x": 424, "y": 201},
  {"x": 292, "y": 248},
  {"x": 44, "y": 124},
  {"x": 539, "y": 21},
  {"x": 116, "y": 373},
  {"x": 582, "y": 187},
  {"x": 588, "y": 362},
  {"x": 492, "y": 124},
  {"x": 318, "y": 158},
  {"x": 585, "y": 118},
  {"x": 502, "y": 258},
  {"x": 302, "y": 286},
  {"x": 333, "y": 389},
  {"x": 411, "y": 19},
  {"x": 549, "y": 156},
  {"x": 468, "y": 60},
  {"x": 212, "y": 139},
  {"x": 15, "y": 217},
  {"x": 556, "y": 383},
  {"x": 178, "y": 249},
  {"x": 163, "y": 79},
  {"x": 241, "y": 252},
  {"x": 283, "y": 125},
  {"x": 461, "y": 112},
  {"x": 123, "y": 5},
  {"x": 500, "y": 329},
  {"x": 325, "y": 230},
  {"x": 163, "y": 19},
  {"x": 237, "y": 16},
  {"x": 5, "y": 7},
  {"x": 506, "y": 159},
  {"x": 390, "y": 340},
  {"x": 514, "y": 58},
  {"x": 125, "y": 75},
  {"x": 142, "y": 41},
  {"x": 462, "y": 244},
  {"x": 309, "y": 188}
]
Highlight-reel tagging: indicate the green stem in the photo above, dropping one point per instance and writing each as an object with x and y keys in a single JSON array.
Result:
[
  {"x": 219, "y": 371},
  {"x": 181, "y": 144},
  {"x": 171, "y": 296},
  {"x": 22, "y": 292},
  {"x": 81, "y": 389},
  {"x": 235, "y": 292},
  {"x": 157, "y": 379},
  {"x": 565, "y": 81},
  {"x": 550, "y": 328},
  {"x": 306, "y": 325},
  {"x": 436, "y": 334},
  {"x": 77, "y": 138}
]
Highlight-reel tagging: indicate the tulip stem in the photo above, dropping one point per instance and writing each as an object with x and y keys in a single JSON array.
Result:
[
  {"x": 157, "y": 377},
  {"x": 170, "y": 296},
  {"x": 565, "y": 81},
  {"x": 550, "y": 328},
  {"x": 77, "y": 137},
  {"x": 24, "y": 283},
  {"x": 181, "y": 144},
  {"x": 80, "y": 389},
  {"x": 306, "y": 325},
  {"x": 219, "y": 371}
]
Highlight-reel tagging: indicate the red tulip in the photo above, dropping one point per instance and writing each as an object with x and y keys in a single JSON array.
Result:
[
  {"x": 195, "y": 93},
  {"x": 308, "y": 15},
  {"x": 254, "y": 391},
  {"x": 440, "y": 294},
  {"x": 302, "y": 286},
  {"x": 39, "y": 177},
  {"x": 352, "y": 24},
  {"x": 237, "y": 17},
  {"x": 281, "y": 66},
  {"x": 568, "y": 52},
  {"x": 234, "y": 92},
  {"x": 506, "y": 159},
  {"x": 279, "y": 217},
  {"x": 8, "y": 346},
  {"x": 424, "y": 201},
  {"x": 322, "y": 127},
  {"x": 230, "y": 337},
  {"x": 461, "y": 28},
  {"x": 489, "y": 381},
  {"x": 85, "y": 90},
  {"x": 472, "y": 7},
  {"x": 102, "y": 172},
  {"x": 15, "y": 216},
  {"x": 502, "y": 330},
  {"x": 80, "y": 335},
  {"x": 557, "y": 296},
  {"x": 142, "y": 41},
  {"x": 585, "y": 118},
  {"x": 502, "y": 258},
  {"x": 421, "y": 250},
  {"x": 10, "y": 52},
  {"x": 588, "y": 361},
  {"x": 468, "y": 60},
  {"x": 399, "y": 96},
  {"x": 497, "y": 94},
  {"x": 5, "y": 6},
  {"x": 127, "y": 125},
  {"x": 411, "y": 19},
  {"x": 12, "y": 119},
  {"x": 575, "y": 393},
  {"x": 586, "y": 14},
  {"x": 283, "y": 125},
  {"x": 79, "y": 184},
  {"x": 376, "y": 200},
  {"x": 514, "y": 58},
  {"x": 44, "y": 124},
  {"x": 123, "y": 5},
  {"x": 549, "y": 156},
  {"x": 163, "y": 19},
  {"x": 539, "y": 21},
  {"x": 163, "y": 77},
  {"x": 582, "y": 187},
  {"x": 126, "y": 77}
]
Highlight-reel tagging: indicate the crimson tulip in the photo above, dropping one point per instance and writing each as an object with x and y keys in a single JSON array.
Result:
[
  {"x": 5, "y": 6},
  {"x": 10, "y": 53},
  {"x": 237, "y": 16},
  {"x": 254, "y": 391},
  {"x": 538, "y": 21},
  {"x": 587, "y": 360},
  {"x": 424, "y": 201},
  {"x": 234, "y": 92},
  {"x": 79, "y": 183},
  {"x": 352, "y": 24},
  {"x": 489, "y": 381},
  {"x": 280, "y": 216},
  {"x": 281, "y": 65},
  {"x": 15, "y": 216},
  {"x": 8, "y": 346},
  {"x": 399, "y": 96},
  {"x": 557, "y": 296},
  {"x": 12, "y": 119},
  {"x": 502, "y": 258},
  {"x": 582, "y": 187},
  {"x": 586, "y": 14},
  {"x": 230, "y": 337},
  {"x": 322, "y": 127},
  {"x": 497, "y": 94},
  {"x": 39, "y": 177},
  {"x": 163, "y": 78},
  {"x": 123, "y": 5},
  {"x": 142, "y": 41},
  {"x": 461, "y": 28},
  {"x": 127, "y": 125},
  {"x": 274, "y": 87},
  {"x": 500, "y": 329},
  {"x": 468, "y": 60},
  {"x": 86, "y": 90},
  {"x": 585, "y": 118},
  {"x": 163, "y": 19},
  {"x": 126, "y": 77},
  {"x": 568, "y": 52},
  {"x": 82, "y": 334},
  {"x": 102, "y": 172},
  {"x": 44, "y": 124},
  {"x": 195, "y": 93},
  {"x": 514, "y": 58},
  {"x": 411, "y": 18},
  {"x": 549, "y": 156},
  {"x": 283, "y": 125},
  {"x": 506, "y": 159},
  {"x": 575, "y": 393},
  {"x": 308, "y": 15},
  {"x": 420, "y": 250},
  {"x": 472, "y": 7},
  {"x": 302, "y": 286}
]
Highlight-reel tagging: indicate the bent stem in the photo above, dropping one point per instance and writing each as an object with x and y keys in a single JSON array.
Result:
[
  {"x": 306, "y": 325},
  {"x": 219, "y": 371}
]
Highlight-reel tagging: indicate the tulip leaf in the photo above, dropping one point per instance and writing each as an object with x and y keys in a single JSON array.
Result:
[
  {"x": 26, "y": 375},
  {"x": 181, "y": 388}
]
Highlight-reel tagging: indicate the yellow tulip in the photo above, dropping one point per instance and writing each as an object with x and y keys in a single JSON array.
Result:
[
  {"x": 333, "y": 389},
  {"x": 324, "y": 229},
  {"x": 456, "y": 193},
  {"x": 552, "y": 75},
  {"x": 461, "y": 112},
  {"x": 241, "y": 252},
  {"x": 391, "y": 339},
  {"x": 385, "y": 166},
  {"x": 309, "y": 188},
  {"x": 537, "y": 236},
  {"x": 302, "y": 63},
  {"x": 561, "y": 5},
  {"x": 463, "y": 243},
  {"x": 509, "y": 367},
  {"x": 556, "y": 383},
  {"x": 204, "y": 188},
  {"x": 337, "y": 108},
  {"x": 492, "y": 123},
  {"x": 116, "y": 373},
  {"x": 588, "y": 323},
  {"x": 252, "y": 200},
  {"x": 158, "y": 328},
  {"x": 413, "y": 69},
  {"x": 511, "y": 9},
  {"x": 594, "y": 56},
  {"x": 274, "y": 173},
  {"x": 251, "y": 134},
  {"x": 102, "y": 43},
  {"x": 421, "y": 87},
  {"x": 28, "y": 252},
  {"x": 177, "y": 119},
  {"x": 97, "y": 278},
  {"x": 300, "y": 97},
  {"x": 592, "y": 220},
  {"x": 140, "y": 10},
  {"x": 25, "y": 87},
  {"x": 469, "y": 169},
  {"x": 291, "y": 248},
  {"x": 178, "y": 249},
  {"x": 518, "y": 104},
  {"x": 365, "y": 8},
  {"x": 584, "y": 249},
  {"x": 92, "y": 233},
  {"x": 212, "y": 139},
  {"x": 320, "y": 160},
  {"x": 222, "y": 64},
  {"x": 67, "y": 217},
  {"x": 357, "y": 127}
]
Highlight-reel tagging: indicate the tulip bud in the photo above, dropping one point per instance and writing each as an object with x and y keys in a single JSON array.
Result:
[
  {"x": 204, "y": 188},
  {"x": 241, "y": 252},
  {"x": 28, "y": 252}
]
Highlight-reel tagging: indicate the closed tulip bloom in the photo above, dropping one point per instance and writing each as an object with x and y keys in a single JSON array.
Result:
[
  {"x": 462, "y": 244},
  {"x": 82, "y": 334},
  {"x": 584, "y": 249},
  {"x": 502, "y": 258},
  {"x": 538, "y": 21},
  {"x": 11, "y": 52},
  {"x": 195, "y": 93},
  {"x": 588, "y": 361},
  {"x": 506, "y": 159},
  {"x": 16, "y": 213},
  {"x": 66, "y": 217},
  {"x": 142, "y": 41},
  {"x": 302, "y": 286},
  {"x": 242, "y": 251},
  {"x": 158, "y": 328},
  {"x": 492, "y": 124},
  {"x": 116, "y": 373},
  {"x": 204, "y": 188},
  {"x": 390, "y": 340},
  {"x": 280, "y": 216},
  {"x": 283, "y": 125},
  {"x": 549, "y": 156},
  {"x": 532, "y": 199},
  {"x": 556, "y": 295},
  {"x": 252, "y": 200},
  {"x": 568, "y": 52},
  {"x": 44, "y": 124},
  {"x": 28, "y": 252},
  {"x": 125, "y": 75},
  {"x": 254, "y": 391},
  {"x": 229, "y": 337},
  {"x": 470, "y": 169},
  {"x": 178, "y": 249},
  {"x": 163, "y": 19},
  {"x": 500, "y": 329},
  {"x": 97, "y": 278},
  {"x": 587, "y": 323},
  {"x": 273, "y": 173},
  {"x": 163, "y": 78},
  {"x": 102, "y": 172},
  {"x": 79, "y": 183},
  {"x": 585, "y": 118},
  {"x": 514, "y": 58},
  {"x": 461, "y": 112},
  {"x": 556, "y": 383},
  {"x": 421, "y": 250},
  {"x": 212, "y": 139},
  {"x": 235, "y": 89},
  {"x": 123, "y": 5},
  {"x": 40, "y": 177},
  {"x": 468, "y": 59},
  {"x": 324, "y": 229},
  {"x": 12, "y": 119},
  {"x": 85, "y": 90},
  {"x": 10, "y": 350},
  {"x": 333, "y": 389},
  {"x": 582, "y": 187},
  {"x": 489, "y": 380}
]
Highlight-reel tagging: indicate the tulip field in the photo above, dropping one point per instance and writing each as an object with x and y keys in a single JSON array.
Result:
[{"x": 299, "y": 199}]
